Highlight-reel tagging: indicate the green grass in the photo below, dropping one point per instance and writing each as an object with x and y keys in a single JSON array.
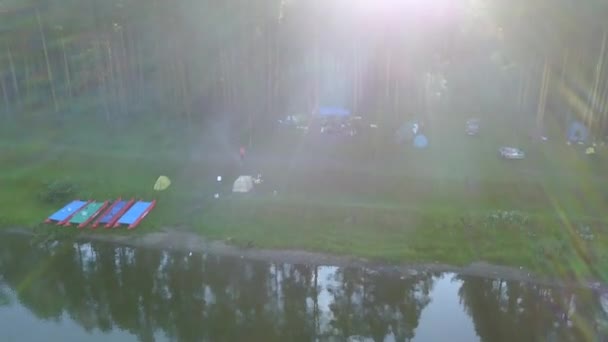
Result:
[{"x": 365, "y": 197}]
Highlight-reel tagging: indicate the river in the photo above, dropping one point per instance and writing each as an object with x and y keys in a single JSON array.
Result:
[{"x": 97, "y": 291}]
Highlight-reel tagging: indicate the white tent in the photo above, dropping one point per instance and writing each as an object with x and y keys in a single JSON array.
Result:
[{"x": 243, "y": 184}]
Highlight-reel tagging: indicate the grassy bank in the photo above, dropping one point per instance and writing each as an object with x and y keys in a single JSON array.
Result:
[{"x": 455, "y": 203}]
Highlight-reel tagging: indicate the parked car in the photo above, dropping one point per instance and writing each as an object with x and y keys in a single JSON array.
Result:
[
  {"x": 511, "y": 153},
  {"x": 299, "y": 122},
  {"x": 472, "y": 127},
  {"x": 338, "y": 127}
]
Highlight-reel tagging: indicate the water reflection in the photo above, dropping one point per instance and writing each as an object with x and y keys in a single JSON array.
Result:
[
  {"x": 445, "y": 319},
  {"x": 88, "y": 291}
]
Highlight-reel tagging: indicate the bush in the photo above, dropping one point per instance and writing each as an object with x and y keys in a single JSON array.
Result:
[
  {"x": 502, "y": 218},
  {"x": 58, "y": 191}
]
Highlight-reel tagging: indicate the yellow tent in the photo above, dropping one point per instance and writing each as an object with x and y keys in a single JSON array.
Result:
[{"x": 162, "y": 183}]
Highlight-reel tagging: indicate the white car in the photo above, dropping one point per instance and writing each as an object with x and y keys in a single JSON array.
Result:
[
  {"x": 511, "y": 153},
  {"x": 472, "y": 127}
]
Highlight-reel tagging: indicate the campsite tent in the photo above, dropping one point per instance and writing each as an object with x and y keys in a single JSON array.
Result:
[
  {"x": 421, "y": 141},
  {"x": 162, "y": 183},
  {"x": 243, "y": 184},
  {"x": 578, "y": 132}
]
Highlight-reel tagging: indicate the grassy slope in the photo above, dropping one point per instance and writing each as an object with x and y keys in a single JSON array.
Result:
[{"x": 365, "y": 197}]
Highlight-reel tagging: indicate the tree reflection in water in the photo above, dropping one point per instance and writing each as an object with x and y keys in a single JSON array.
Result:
[
  {"x": 103, "y": 287},
  {"x": 517, "y": 311}
]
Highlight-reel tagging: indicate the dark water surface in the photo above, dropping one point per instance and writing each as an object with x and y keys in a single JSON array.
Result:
[{"x": 103, "y": 292}]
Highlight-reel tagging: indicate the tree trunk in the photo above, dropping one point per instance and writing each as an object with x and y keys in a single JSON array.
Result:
[
  {"x": 184, "y": 90},
  {"x": 604, "y": 109},
  {"x": 277, "y": 76},
  {"x": 27, "y": 80},
  {"x": 525, "y": 94},
  {"x": 317, "y": 75},
  {"x": 248, "y": 98},
  {"x": 396, "y": 96},
  {"x": 562, "y": 83},
  {"x": 14, "y": 76},
  {"x": 7, "y": 106},
  {"x": 67, "y": 69},
  {"x": 223, "y": 80},
  {"x": 593, "y": 101},
  {"x": 121, "y": 71},
  {"x": 110, "y": 66},
  {"x": 48, "y": 63},
  {"x": 268, "y": 70},
  {"x": 564, "y": 67},
  {"x": 237, "y": 86},
  {"x": 141, "y": 80},
  {"x": 355, "y": 77},
  {"x": 387, "y": 81},
  {"x": 542, "y": 98},
  {"x": 135, "y": 84},
  {"x": 101, "y": 75},
  {"x": 98, "y": 62}
]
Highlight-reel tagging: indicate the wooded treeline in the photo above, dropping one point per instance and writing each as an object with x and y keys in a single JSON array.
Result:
[{"x": 254, "y": 60}]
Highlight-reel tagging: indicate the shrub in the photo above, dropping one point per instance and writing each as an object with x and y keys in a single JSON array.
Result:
[
  {"x": 503, "y": 218},
  {"x": 58, "y": 191}
]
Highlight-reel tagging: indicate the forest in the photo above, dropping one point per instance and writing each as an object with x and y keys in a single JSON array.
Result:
[{"x": 251, "y": 62}]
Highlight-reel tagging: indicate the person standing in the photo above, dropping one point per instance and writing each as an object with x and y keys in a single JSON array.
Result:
[{"x": 242, "y": 153}]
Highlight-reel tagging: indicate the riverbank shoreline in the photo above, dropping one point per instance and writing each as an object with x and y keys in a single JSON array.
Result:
[{"x": 185, "y": 241}]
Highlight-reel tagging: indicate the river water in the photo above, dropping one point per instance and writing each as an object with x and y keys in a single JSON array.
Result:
[{"x": 103, "y": 292}]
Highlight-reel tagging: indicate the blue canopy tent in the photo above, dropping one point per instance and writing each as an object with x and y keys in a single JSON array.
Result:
[{"x": 578, "y": 132}]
